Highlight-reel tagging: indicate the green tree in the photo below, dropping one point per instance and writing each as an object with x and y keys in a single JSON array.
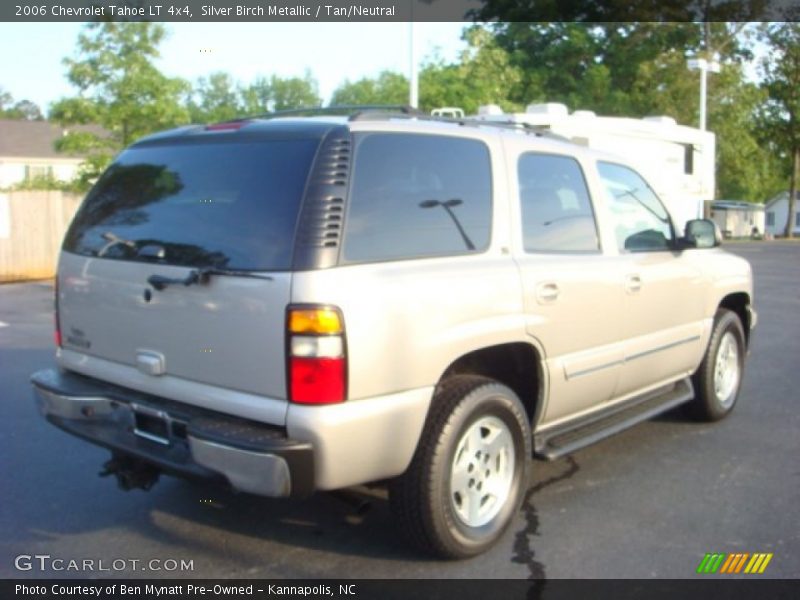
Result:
[
  {"x": 663, "y": 86},
  {"x": 588, "y": 65},
  {"x": 23, "y": 109},
  {"x": 215, "y": 98},
  {"x": 120, "y": 89},
  {"x": 781, "y": 113},
  {"x": 278, "y": 93},
  {"x": 483, "y": 75},
  {"x": 387, "y": 88},
  {"x": 639, "y": 69}
]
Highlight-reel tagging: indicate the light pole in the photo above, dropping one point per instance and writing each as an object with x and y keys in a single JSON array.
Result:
[
  {"x": 704, "y": 66},
  {"x": 413, "y": 93}
]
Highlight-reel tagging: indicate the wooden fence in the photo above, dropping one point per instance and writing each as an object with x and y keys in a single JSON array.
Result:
[{"x": 32, "y": 226}]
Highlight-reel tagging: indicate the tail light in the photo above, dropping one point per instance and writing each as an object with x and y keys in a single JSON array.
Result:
[
  {"x": 316, "y": 355},
  {"x": 56, "y": 320}
]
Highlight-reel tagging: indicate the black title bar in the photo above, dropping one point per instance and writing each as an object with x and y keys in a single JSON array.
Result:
[{"x": 702, "y": 587}]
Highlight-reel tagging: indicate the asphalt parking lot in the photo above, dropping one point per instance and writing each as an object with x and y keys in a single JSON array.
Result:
[{"x": 649, "y": 502}]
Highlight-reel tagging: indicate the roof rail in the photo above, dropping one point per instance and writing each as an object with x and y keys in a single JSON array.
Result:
[
  {"x": 366, "y": 112},
  {"x": 352, "y": 111}
]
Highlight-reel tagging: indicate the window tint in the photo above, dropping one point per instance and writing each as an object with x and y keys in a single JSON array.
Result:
[
  {"x": 556, "y": 210},
  {"x": 641, "y": 223},
  {"x": 229, "y": 205},
  {"x": 417, "y": 195}
]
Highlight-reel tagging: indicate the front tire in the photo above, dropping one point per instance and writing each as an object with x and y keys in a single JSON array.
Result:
[
  {"x": 719, "y": 378},
  {"x": 469, "y": 474}
]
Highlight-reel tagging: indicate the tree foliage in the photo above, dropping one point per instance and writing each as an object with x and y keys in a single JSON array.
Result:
[
  {"x": 612, "y": 67},
  {"x": 119, "y": 88},
  {"x": 219, "y": 98},
  {"x": 639, "y": 69},
  {"x": 273, "y": 93},
  {"x": 483, "y": 75},
  {"x": 780, "y": 115},
  {"x": 19, "y": 110},
  {"x": 387, "y": 88},
  {"x": 214, "y": 98}
]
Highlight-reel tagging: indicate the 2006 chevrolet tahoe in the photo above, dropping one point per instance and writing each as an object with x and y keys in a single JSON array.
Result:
[{"x": 298, "y": 304}]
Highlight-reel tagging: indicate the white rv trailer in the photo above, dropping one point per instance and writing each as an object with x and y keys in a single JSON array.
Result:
[{"x": 678, "y": 161}]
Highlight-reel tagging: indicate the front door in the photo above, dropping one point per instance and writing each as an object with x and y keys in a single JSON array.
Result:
[{"x": 663, "y": 292}]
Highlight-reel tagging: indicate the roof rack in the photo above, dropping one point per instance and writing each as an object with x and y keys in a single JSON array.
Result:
[
  {"x": 367, "y": 112},
  {"x": 352, "y": 111}
]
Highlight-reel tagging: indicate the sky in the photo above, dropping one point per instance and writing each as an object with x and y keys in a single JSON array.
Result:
[{"x": 31, "y": 66}]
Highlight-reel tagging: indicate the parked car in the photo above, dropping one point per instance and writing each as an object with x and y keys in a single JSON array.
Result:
[{"x": 290, "y": 305}]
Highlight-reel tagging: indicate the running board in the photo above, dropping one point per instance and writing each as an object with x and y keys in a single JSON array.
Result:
[{"x": 569, "y": 437}]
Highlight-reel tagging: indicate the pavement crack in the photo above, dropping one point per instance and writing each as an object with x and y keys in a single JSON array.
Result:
[{"x": 523, "y": 551}]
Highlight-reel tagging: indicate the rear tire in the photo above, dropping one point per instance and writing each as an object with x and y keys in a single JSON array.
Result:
[
  {"x": 470, "y": 470},
  {"x": 719, "y": 378}
]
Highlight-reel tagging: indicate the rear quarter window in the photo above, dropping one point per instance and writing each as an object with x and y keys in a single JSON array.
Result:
[
  {"x": 223, "y": 204},
  {"x": 417, "y": 195}
]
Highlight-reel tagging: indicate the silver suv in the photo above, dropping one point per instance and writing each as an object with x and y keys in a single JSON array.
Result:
[{"x": 296, "y": 304}]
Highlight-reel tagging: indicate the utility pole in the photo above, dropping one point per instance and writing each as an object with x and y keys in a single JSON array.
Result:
[
  {"x": 704, "y": 66},
  {"x": 413, "y": 94}
]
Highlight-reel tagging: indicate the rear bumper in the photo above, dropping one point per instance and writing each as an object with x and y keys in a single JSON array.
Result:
[{"x": 177, "y": 438}]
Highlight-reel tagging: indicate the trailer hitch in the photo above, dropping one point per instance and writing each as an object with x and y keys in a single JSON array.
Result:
[{"x": 131, "y": 473}]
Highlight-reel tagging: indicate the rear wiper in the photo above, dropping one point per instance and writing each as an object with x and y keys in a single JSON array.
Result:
[
  {"x": 112, "y": 239},
  {"x": 201, "y": 276}
]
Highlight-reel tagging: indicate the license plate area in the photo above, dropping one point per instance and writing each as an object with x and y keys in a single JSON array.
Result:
[{"x": 150, "y": 424}]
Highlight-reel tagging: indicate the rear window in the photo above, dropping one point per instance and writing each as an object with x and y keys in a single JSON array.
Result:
[
  {"x": 416, "y": 196},
  {"x": 222, "y": 204}
]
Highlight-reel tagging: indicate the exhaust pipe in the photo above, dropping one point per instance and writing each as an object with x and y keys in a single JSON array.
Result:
[
  {"x": 358, "y": 503},
  {"x": 131, "y": 473}
]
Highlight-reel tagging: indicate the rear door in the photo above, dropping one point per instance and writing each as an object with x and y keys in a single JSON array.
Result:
[
  {"x": 573, "y": 300},
  {"x": 171, "y": 209}
]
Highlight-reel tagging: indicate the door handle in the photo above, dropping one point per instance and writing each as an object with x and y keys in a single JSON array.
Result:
[
  {"x": 633, "y": 283},
  {"x": 547, "y": 292}
]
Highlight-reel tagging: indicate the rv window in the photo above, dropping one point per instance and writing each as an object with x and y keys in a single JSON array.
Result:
[{"x": 688, "y": 159}]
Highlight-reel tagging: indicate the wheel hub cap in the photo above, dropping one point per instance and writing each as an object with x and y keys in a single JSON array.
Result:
[
  {"x": 726, "y": 369},
  {"x": 482, "y": 472}
]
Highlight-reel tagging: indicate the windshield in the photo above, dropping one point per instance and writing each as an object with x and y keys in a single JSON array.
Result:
[{"x": 222, "y": 204}]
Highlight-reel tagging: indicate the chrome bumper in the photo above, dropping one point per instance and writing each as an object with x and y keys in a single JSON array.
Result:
[{"x": 252, "y": 457}]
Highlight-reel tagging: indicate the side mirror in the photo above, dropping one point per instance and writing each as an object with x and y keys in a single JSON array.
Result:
[{"x": 703, "y": 233}]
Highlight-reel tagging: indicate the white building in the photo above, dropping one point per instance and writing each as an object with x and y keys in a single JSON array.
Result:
[
  {"x": 27, "y": 151},
  {"x": 737, "y": 218},
  {"x": 678, "y": 161},
  {"x": 777, "y": 210}
]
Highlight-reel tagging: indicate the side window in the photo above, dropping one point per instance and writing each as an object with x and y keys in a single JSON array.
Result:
[
  {"x": 416, "y": 196},
  {"x": 640, "y": 221},
  {"x": 556, "y": 210}
]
